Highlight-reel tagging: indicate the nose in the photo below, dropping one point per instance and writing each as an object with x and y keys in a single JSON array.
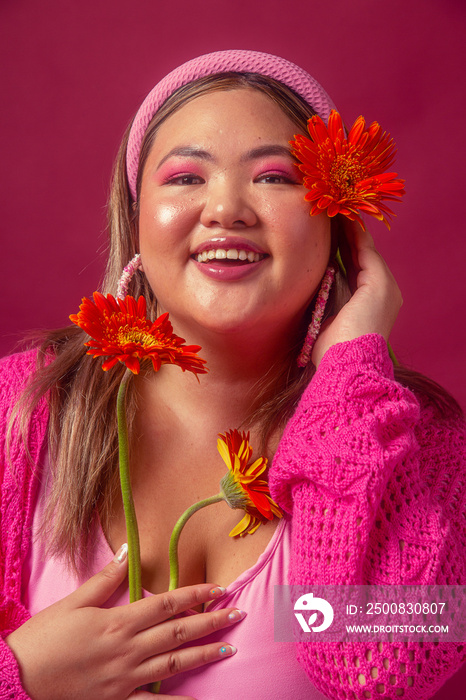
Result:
[{"x": 227, "y": 206}]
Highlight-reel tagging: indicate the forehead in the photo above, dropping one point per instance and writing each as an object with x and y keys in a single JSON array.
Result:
[{"x": 235, "y": 115}]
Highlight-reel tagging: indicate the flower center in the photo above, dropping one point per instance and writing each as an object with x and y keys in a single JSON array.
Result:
[
  {"x": 345, "y": 174},
  {"x": 137, "y": 336}
]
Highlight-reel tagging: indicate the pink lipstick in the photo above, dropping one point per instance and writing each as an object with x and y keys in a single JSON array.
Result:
[{"x": 228, "y": 257}]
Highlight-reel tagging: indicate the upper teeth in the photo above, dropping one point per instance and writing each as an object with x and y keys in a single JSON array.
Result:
[{"x": 230, "y": 254}]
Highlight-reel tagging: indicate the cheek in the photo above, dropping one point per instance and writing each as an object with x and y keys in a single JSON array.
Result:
[
  {"x": 307, "y": 237},
  {"x": 166, "y": 215},
  {"x": 307, "y": 252},
  {"x": 162, "y": 224}
]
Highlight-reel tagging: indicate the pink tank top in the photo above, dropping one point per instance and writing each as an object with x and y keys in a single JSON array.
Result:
[{"x": 262, "y": 669}]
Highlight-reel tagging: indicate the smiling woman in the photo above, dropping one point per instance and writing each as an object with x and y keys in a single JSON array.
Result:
[
  {"x": 232, "y": 194},
  {"x": 293, "y": 307}
]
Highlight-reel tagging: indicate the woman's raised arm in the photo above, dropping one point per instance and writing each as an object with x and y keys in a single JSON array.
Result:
[{"x": 361, "y": 467}]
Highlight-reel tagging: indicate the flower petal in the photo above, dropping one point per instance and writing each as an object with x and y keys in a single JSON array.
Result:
[
  {"x": 120, "y": 330},
  {"x": 244, "y": 488},
  {"x": 348, "y": 175}
]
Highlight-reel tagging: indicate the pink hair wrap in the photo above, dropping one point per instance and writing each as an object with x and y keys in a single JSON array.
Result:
[{"x": 237, "y": 61}]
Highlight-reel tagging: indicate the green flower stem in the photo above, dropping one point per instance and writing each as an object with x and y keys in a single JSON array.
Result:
[
  {"x": 173, "y": 551},
  {"x": 134, "y": 554},
  {"x": 340, "y": 262},
  {"x": 393, "y": 357},
  {"x": 173, "y": 548}
]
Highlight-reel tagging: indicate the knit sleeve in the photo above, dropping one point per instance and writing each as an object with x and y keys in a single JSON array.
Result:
[
  {"x": 10, "y": 681},
  {"x": 16, "y": 502},
  {"x": 376, "y": 490}
]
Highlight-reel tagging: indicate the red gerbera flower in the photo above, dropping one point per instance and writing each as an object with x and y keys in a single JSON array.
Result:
[
  {"x": 242, "y": 487},
  {"x": 120, "y": 331},
  {"x": 347, "y": 175}
]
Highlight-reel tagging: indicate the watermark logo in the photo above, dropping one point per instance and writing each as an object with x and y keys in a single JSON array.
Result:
[
  {"x": 370, "y": 613},
  {"x": 309, "y": 603}
]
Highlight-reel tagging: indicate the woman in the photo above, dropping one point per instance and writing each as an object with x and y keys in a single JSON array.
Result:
[{"x": 207, "y": 191}]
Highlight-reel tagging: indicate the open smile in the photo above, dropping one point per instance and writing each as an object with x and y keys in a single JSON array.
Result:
[
  {"x": 229, "y": 255},
  {"x": 227, "y": 259}
]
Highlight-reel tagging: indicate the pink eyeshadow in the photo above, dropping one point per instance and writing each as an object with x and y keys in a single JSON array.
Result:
[
  {"x": 178, "y": 168},
  {"x": 280, "y": 168}
]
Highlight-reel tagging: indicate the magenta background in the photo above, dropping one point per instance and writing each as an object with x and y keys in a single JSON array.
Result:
[{"x": 74, "y": 72}]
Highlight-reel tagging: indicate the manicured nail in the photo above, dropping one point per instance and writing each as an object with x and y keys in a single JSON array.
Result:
[
  {"x": 121, "y": 555},
  {"x": 237, "y": 615},
  {"x": 227, "y": 650},
  {"x": 217, "y": 591}
]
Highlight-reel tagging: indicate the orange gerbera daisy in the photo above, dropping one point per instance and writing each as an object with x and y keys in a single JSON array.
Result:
[
  {"x": 242, "y": 487},
  {"x": 120, "y": 331},
  {"x": 347, "y": 175}
]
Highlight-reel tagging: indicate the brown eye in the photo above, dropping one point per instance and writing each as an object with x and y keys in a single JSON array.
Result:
[
  {"x": 185, "y": 180},
  {"x": 275, "y": 179}
]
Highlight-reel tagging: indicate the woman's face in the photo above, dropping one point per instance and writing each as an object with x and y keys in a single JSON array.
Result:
[{"x": 226, "y": 239}]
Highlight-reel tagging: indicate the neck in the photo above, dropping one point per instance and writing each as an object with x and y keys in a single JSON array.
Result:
[{"x": 224, "y": 397}]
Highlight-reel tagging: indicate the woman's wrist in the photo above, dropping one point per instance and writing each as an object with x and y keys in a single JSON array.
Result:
[{"x": 367, "y": 348}]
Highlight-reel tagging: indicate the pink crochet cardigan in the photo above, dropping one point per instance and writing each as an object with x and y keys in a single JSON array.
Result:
[{"x": 376, "y": 487}]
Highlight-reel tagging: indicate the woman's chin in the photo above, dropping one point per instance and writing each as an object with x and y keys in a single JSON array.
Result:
[{"x": 246, "y": 332}]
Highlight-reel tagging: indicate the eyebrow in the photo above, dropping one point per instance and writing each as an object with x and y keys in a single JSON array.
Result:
[
  {"x": 189, "y": 151},
  {"x": 266, "y": 150},
  {"x": 253, "y": 154}
]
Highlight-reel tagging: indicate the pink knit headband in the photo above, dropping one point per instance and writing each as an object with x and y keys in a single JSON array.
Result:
[{"x": 221, "y": 62}]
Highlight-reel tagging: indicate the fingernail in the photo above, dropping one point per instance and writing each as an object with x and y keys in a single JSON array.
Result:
[
  {"x": 217, "y": 591},
  {"x": 237, "y": 615},
  {"x": 121, "y": 555},
  {"x": 227, "y": 650}
]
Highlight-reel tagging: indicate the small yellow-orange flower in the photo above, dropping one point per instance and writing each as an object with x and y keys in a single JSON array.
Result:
[
  {"x": 120, "y": 331},
  {"x": 242, "y": 487},
  {"x": 347, "y": 175}
]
